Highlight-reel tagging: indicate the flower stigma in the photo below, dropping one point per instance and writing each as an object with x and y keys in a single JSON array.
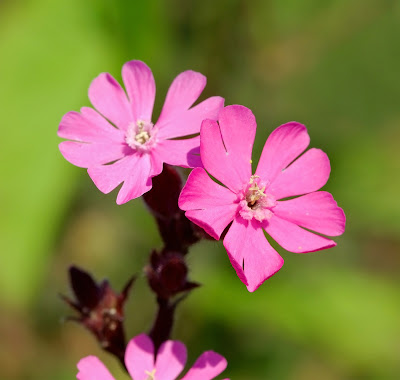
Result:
[
  {"x": 255, "y": 202},
  {"x": 140, "y": 135},
  {"x": 254, "y": 193}
]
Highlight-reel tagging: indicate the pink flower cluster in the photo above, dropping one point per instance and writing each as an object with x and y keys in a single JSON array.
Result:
[
  {"x": 134, "y": 150},
  {"x": 120, "y": 143},
  {"x": 167, "y": 365}
]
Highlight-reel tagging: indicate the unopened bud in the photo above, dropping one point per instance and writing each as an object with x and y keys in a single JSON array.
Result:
[
  {"x": 100, "y": 309},
  {"x": 167, "y": 274}
]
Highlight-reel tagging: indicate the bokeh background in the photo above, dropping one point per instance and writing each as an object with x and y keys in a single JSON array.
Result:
[{"x": 330, "y": 64}]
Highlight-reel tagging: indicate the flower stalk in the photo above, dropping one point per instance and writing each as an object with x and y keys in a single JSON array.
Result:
[{"x": 167, "y": 271}]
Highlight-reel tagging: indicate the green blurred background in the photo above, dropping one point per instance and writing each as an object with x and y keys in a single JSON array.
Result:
[{"x": 330, "y": 64}]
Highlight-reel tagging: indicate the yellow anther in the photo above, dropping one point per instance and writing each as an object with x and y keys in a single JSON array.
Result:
[
  {"x": 142, "y": 137},
  {"x": 254, "y": 191},
  {"x": 252, "y": 178},
  {"x": 140, "y": 125},
  {"x": 151, "y": 375}
]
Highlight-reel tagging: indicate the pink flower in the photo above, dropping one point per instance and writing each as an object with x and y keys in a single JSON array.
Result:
[
  {"x": 136, "y": 149},
  {"x": 254, "y": 203},
  {"x": 142, "y": 365}
]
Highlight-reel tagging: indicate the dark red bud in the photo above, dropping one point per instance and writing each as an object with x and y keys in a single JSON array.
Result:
[
  {"x": 85, "y": 289},
  {"x": 167, "y": 274},
  {"x": 101, "y": 310}
]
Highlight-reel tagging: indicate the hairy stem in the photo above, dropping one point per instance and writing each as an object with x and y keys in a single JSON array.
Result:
[{"x": 162, "y": 326}]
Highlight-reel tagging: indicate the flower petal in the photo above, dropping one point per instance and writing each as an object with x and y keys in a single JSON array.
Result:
[
  {"x": 251, "y": 255},
  {"x": 238, "y": 129},
  {"x": 317, "y": 211},
  {"x": 184, "y": 153},
  {"x": 110, "y": 100},
  {"x": 222, "y": 164},
  {"x": 171, "y": 359},
  {"x": 213, "y": 221},
  {"x": 133, "y": 170},
  {"x": 189, "y": 122},
  {"x": 108, "y": 177},
  {"x": 156, "y": 163},
  {"x": 207, "y": 367},
  {"x": 307, "y": 174},
  {"x": 137, "y": 182},
  {"x": 86, "y": 155},
  {"x": 294, "y": 238},
  {"x": 209, "y": 205},
  {"x": 141, "y": 89},
  {"x": 139, "y": 357},
  {"x": 283, "y": 146},
  {"x": 183, "y": 92},
  {"x": 201, "y": 192},
  {"x": 88, "y": 126},
  {"x": 91, "y": 368}
]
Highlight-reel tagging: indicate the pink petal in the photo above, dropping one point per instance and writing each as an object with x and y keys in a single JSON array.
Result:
[
  {"x": 317, "y": 211},
  {"x": 133, "y": 170},
  {"x": 283, "y": 146},
  {"x": 141, "y": 89},
  {"x": 91, "y": 368},
  {"x": 294, "y": 238},
  {"x": 86, "y": 155},
  {"x": 307, "y": 174},
  {"x": 183, "y": 92},
  {"x": 137, "y": 182},
  {"x": 209, "y": 205},
  {"x": 207, "y": 367},
  {"x": 184, "y": 153},
  {"x": 201, "y": 192},
  {"x": 214, "y": 220},
  {"x": 251, "y": 255},
  {"x": 88, "y": 126},
  {"x": 171, "y": 359},
  {"x": 238, "y": 129},
  {"x": 108, "y": 177},
  {"x": 157, "y": 163},
  {"x": 224, "y": 165},
  {"x": 110, "y": 100},
  {"x": 189, "y": 122},
  {"x": 139, "y": 357}
]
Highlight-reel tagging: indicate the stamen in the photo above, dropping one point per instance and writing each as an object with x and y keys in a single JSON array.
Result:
[
  {"x": 151, "y": 375},
  {"x": 254, "y": 192},
  {"x": 256, "y": 203},
  {"x": 141, "y": 135},
  {"x": 140, "y": 124}
]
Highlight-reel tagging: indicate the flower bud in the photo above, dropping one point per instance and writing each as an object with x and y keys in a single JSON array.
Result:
[
  {"x": 167, "y": 274},
  {"x": 100, "y": 309}
]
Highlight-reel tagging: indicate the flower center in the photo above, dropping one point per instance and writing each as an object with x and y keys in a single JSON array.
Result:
[
  {"x": 254, "y": 193},
  {"x": 141, "y": 135},
  {"x": 151, "y": 375},
  {"x": 256, "y": 203}
]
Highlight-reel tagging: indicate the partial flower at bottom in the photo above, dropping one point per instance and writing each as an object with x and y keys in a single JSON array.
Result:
[
  {"x": 251, "y": 203},
  {"x": 142, "y": 365}
]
